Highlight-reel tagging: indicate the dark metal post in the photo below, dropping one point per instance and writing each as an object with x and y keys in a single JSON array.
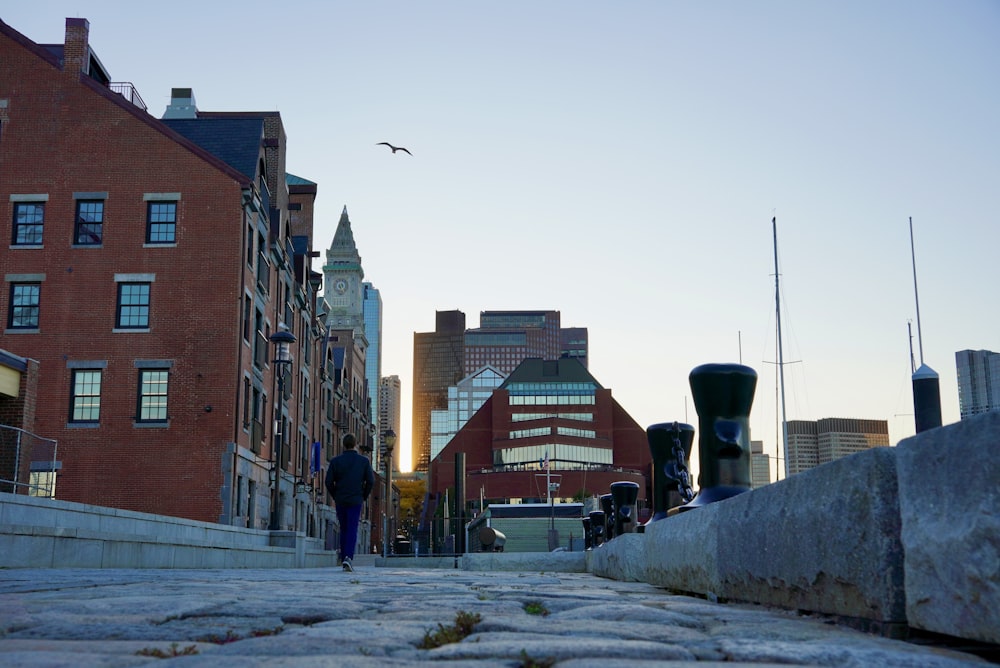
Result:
[
  {"x": 598, "y": 522},
  {"x": 667, "y": 473},
  {"x": 723, "y": 394},
  {"x": 460, "y": 502},
  {"x": 282, "y": 340},
  {"x": 608, "y": 506},
  {"x": 926, "y": 399},
  {"x": 625, "y": 495}
]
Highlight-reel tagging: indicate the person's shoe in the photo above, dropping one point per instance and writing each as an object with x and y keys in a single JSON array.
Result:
[{"x": 347, "y": 565}]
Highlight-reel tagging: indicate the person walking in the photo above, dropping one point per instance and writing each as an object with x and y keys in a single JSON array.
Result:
[{"x": 349, "y": 480}]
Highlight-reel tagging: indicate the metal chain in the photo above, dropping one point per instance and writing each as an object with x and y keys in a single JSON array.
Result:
[{"x": 680, "y": 475}]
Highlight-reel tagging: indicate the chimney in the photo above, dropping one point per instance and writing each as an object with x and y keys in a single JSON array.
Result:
[
  {"x": 181, "y": 104},
  {"x": 76, "y": 51}
]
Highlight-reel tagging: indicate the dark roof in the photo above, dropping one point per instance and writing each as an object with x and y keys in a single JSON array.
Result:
[
  {"x": 235, "y": 141},
  {"x": 562, "y": 370},
  {"x": 13, "y": 361}
]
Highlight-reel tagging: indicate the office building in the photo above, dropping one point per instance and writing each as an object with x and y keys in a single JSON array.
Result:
[
  {"x": 502, "y": 341},
  {"x": 389, "y": 401},
  {"x": 549, "y": 418},
  {"x": 811, "y": 443},
  {"x": 978, "y": 381},
  {"x": 438, "y": 363},
  {"x": 464, "y": 400},
  {"x": 371, "y": 305},
  {"x": 760, "y": 465}
]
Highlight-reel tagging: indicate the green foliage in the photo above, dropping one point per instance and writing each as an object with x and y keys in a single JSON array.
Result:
[
  {"x": 444, "y": 635},
  {"x": 536, "y": 608}
]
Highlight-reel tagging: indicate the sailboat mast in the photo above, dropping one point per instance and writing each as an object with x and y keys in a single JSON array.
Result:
[
  {"x": 913, "y": 257},
  {"x": 781, "y": 354}
]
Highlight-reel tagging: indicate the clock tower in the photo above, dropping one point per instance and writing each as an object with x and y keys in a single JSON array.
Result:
[{"x": 342, "y": 280}]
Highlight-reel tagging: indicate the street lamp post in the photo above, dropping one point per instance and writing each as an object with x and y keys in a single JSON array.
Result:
[
  {"x": 389, "y": 438},
  {"x": 282, "y": 341}
]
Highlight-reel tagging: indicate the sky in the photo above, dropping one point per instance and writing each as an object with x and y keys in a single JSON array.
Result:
[{"x": 622, "y": 163}]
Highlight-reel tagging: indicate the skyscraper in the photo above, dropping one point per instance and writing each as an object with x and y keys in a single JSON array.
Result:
[
  {"x": 760, "y": 465},
  {"x": 438, "y": 363},
  {"x": 389, "y": 400},
  {"x": 371, "y": 306},
  {"x": 978, "y": 381},
  {"x": 811, "y": 443}
]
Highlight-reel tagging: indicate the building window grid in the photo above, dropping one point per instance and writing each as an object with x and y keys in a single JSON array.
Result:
[
  {"x": 85, "y": 398},
  {"x": 89, "y": 225},
  {"x": 133, "y": 305},
  {"x": 152, "y": 395},
  {"x": 25, "y": 305},
  {"x": 161, "y": 222},
  {"x": 29, "y": 220}
]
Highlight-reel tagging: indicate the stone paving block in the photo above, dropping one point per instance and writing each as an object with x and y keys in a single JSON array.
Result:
[
  {"x": 949, "y": 499},
  {"x": 621, "y": 558}
]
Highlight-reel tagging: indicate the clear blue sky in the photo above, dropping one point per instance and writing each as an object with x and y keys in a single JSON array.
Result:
[{"x": 621, "y": 163}]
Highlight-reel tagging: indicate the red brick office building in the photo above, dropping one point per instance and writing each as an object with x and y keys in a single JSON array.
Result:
[
  {"x": 550, "y": 409},
  {"x": 148, "y": 263}
]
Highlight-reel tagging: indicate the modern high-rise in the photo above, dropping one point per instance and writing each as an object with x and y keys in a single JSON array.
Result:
[
  {"x": 978, "y": 381},
  {"x": 760, "y": 465},
  {"x": 371, "y": 305},
  {"x": 438, "y": 363},
  {"x": 389, "y": 401},
  {"x": 811, "y": 443}
]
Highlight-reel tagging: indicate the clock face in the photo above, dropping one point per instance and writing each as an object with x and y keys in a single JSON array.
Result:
[{"x": 340, "y": 286}]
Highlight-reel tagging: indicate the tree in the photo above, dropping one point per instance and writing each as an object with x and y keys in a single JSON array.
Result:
[{"x": 411, "y": 502}]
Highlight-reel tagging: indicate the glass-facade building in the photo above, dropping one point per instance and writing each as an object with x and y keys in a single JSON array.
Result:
[
  {"x": 978, "y": 382},
  {"x": 464, "y": 400},
  {"x": 371, "y": 308}
]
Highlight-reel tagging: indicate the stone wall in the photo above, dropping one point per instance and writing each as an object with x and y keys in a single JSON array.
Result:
[{"x": 895, "y": 537}]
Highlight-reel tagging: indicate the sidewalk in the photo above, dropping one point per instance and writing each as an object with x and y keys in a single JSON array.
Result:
[{"x": 378, "y": 616}]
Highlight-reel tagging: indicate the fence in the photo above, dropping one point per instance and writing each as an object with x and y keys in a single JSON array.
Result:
[{"x": 16, "y": 445}]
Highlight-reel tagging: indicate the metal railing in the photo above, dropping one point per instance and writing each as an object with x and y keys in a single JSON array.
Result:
[
  {"x": 127, "y": 90},
  {"x": 41, "y": 453}
]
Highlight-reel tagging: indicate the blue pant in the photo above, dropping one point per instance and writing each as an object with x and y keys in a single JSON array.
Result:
[{"x": 348, "y": 516}]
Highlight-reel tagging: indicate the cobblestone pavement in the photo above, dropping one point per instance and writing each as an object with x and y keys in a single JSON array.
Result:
[{"x": 381, "y": 616}]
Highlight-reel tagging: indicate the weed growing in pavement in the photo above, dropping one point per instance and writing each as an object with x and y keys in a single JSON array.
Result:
[
  {"x": 444, "y": 635},
  {"x": 160, "y": 654},
  {"x": 536, "y": 608}
]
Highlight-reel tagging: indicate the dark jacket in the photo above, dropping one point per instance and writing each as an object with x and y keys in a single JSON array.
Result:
[{"x": 350, "y": 478}]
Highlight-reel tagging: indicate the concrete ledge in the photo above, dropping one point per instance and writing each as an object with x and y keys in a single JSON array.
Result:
[
  {"x": 622, "y": 558},
  {"x": 47, "y": 533},
  {"x": 826, "y": 540},
  {"x": 949, "y": 500}
]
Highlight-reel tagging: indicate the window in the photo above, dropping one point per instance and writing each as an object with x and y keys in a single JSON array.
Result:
[
  {"x": 152, "y": 404},
  {"x": 133, "y": 305},
  {"x": 85, "y": 396},
  {"x": 24, "y": 305},
  {"x": 89, "y": 227},
  {"x": 161, "y": 222},
  {"x": 28, "y": 220}
]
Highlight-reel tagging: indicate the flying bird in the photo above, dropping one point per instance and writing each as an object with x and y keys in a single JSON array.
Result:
[{"x": 394, "y": 148}]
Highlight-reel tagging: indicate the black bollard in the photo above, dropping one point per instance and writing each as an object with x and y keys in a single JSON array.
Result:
[
  {"x": 670, "y": 445},
  {"x": 588, "y": 536},
  {"x": 597, "y": 526},
  {"x": 625, "y": 495},
  {"x": 723, "y": 394},
  {"x": 608, "y": 506}
]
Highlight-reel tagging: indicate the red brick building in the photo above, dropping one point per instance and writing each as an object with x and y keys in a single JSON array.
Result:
[
  {"x": 550, "y": 410},
  {"x": 148, "y": 264}
]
